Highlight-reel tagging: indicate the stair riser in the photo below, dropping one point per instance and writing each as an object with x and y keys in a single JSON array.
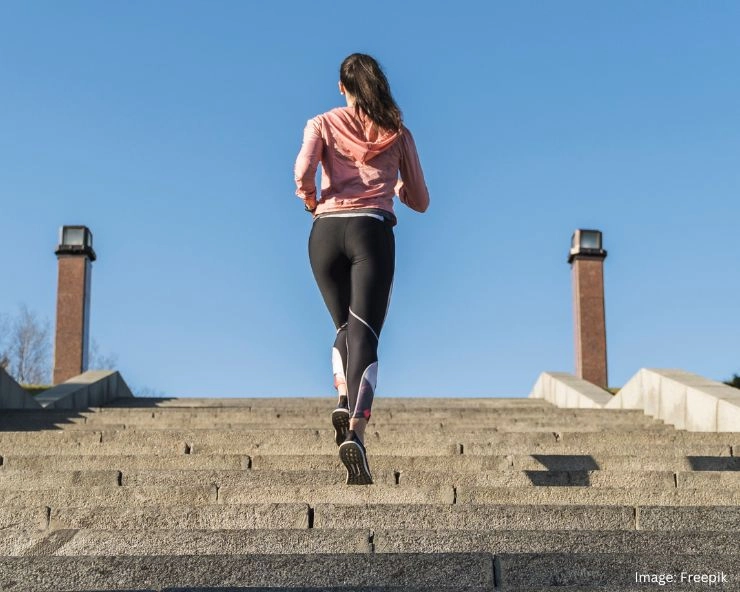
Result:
[
  {"x": 524, "y": 571},
  {"x": 183, "y": 517},
  {"x": 469, "y": 571}
]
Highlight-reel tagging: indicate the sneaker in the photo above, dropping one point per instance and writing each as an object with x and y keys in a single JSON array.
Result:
[
  {"x": 340, "y": 421},
  {"x": 353, "y": 456}
]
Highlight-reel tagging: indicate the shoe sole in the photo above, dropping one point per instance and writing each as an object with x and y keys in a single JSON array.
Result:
[
  {"x": 340, "y": 421},
  {"x": 355, "y": 461}
]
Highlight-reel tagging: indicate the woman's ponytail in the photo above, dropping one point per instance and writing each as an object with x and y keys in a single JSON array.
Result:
[{"x": 363, "y": 78}]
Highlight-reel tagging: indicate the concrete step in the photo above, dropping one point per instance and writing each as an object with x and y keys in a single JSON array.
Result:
[
  {"x": 513, "y": 478},
  {"x": 614, "y": 437},
  {"x": 550, "y": 427},
  {"x": 539, "y": 518},
  {"x": 316, "y": 462},
  {"x": 91, "y": 427},
  {"x": 23, "y": 479},
  {"x": 470, "y": 572},
  {"x": 260, "y": 480},
  {"x": 656, "y": 457},
  {"x": 215, "y": 442},
  {"x": 28, "y": 517},
  {"x": 605, "y": 448},
  {"x": 651, "y": 480},
  {"x": 457, "y": 426},
  {"x": 90, "y": 542},
  {"x": 297, "y": 402},
  {"x": 323, "y": 444},
  {"x": 666, "y": 518},
  {"x": 579, "y": 495},
  {"x": 523, "y": 571},
  {"x": 640, "y": 482},
  {"x": 247, "y": 479},
  {"x": 49, "y": 437},
  {"x": 647, "y": 461},
  {"x": 380, "y": 404},
  {"x": 585, "y": 434},
  {"x": 7, "y": 425},
  {"x": 475, "y": 517},
  {"x": 554, "y": 541},
  {"x": 129, "y": 462},
  {"x": 478, "y": 435},
  {"x": 333, "y": 475},
  {"x": 345, "y": 494},
  {"x": 241, "y": 414},
  {"x": 650, "y": 437},
  {"x": 729, "y": 481},
  {"x": 20, "y": 539},
  {"x": 718, "y": 469},
  {"x": 169, "y": 447},
  {"x": 483, "y": 439},
  {"x": 307, "y": 436},
  {"x": 74, "y": 542},
  {"x": 184, "y": 517},
  {"x": 43, "y": 415},
  {"x": 93, "y": 496},
  {"x": 469, "y": 463}
]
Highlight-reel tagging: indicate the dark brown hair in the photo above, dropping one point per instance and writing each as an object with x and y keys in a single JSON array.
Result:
[{"x": 363, "y": 78}]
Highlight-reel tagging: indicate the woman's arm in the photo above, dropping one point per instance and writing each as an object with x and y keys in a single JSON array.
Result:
[
  {"x": 307, "y": 162},
  {"x": 411, "y": 189}
]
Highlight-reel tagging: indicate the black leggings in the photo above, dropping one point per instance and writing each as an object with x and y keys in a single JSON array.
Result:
[{"x": 353, "y": 260}]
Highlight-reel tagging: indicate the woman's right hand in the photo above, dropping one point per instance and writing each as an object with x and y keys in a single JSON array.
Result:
[{"x": 310, "y": 205}]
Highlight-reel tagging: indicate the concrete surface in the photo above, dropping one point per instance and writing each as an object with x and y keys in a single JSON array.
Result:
[{"x": 469, "y": 494}]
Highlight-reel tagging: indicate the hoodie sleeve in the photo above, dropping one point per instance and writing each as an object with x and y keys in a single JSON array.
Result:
[
  {"x": 411, "y": 189},
  {"x": 308, "y": 161}
]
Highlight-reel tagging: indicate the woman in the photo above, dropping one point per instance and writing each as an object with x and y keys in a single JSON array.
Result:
[{"x": 362, "y": 149}]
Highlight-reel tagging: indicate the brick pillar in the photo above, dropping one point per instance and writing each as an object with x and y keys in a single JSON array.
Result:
[
  {"x": 75, "y": 256},
  {"x": 587, "y": 261}
]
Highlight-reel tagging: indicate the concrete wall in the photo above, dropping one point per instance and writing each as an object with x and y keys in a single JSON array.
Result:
[
  {"x": 90, "y": 389},
  {"x": 12, "y": 395},
  {"x": 680, "y": 398},
  {"x": 565, "y": 390}
]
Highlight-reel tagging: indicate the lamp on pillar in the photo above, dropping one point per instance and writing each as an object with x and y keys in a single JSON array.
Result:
[
  {"x": 75, "y": 255},
  {"x": 587, "y": 262}
]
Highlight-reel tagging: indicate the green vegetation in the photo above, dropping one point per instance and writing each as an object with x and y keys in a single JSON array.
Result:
[
  {"x": 35, "y": 389},
  {"x": 735, "y": 381}
]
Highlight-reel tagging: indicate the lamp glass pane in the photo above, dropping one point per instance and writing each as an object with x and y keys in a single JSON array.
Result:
[
  {"x": 74, "y": 237},
  {"x": 590, "y": 239}
]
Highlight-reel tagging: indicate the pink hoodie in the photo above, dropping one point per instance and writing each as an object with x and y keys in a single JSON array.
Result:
[{"x": 359, "y": 166}]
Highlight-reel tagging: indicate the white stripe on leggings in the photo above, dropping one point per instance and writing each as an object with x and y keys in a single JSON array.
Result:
[{"x": 364, "y": 323}]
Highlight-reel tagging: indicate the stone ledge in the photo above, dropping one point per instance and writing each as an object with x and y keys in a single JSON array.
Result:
[
  {"x": 525, "y": 571},
  {"x": 13, "y": 396},
  {"x": 469, "y": 571},
  {"x": 677, "y": 397},
  {"x": 565, "y": 390},
  {"x": 94, "y": 387}
]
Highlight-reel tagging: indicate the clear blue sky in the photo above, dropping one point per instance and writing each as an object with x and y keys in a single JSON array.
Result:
[{"x": 171, "y": 129}]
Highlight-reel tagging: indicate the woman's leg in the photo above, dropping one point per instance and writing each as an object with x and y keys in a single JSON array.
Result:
[
  {"x": 339, "y": 364},
  {"x": 331, "y": 269},
  {"x": 370, "y": 245}
]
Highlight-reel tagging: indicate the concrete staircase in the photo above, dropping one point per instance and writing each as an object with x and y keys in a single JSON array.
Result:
[{"x": 469, "y": 494}]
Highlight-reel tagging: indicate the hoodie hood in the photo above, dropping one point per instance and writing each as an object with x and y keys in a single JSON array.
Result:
[{"x": 356, "y": 135}]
